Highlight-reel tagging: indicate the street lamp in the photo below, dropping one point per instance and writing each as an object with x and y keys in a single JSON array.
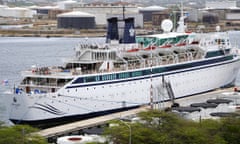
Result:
[{"x": 130, "y": 131}]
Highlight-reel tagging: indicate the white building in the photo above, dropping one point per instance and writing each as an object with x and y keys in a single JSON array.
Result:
[
  {"x": 233, "y": 14},
  {"x": 17, "y": 12},
  {"x": 221, "y": 4},
  {"x": 67, "y": 5},
  {"x": 101, "y": 10},
  {"x": 224, "y": 10}
]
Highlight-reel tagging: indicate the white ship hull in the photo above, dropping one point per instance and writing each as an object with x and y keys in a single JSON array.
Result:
[
  {"x": 78, "y": 100},
  {"x": 125, "y": 72}
]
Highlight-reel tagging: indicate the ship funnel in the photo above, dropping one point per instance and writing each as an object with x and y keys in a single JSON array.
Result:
[
  {"x": 129, "y": 32},
  {"x": 112, "y": 33},
  {"x": 124, "y": 34}
]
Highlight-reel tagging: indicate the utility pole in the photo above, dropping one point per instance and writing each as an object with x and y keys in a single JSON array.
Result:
[
  {"x": 123, "y": 12},
  {"x": 130, "y": 131},
  {"x": 151, "y": 86},
  {"x": 23, "y": 135}
]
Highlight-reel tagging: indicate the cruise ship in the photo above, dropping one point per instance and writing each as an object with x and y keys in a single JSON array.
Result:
[{"x": 125, "y": 72}]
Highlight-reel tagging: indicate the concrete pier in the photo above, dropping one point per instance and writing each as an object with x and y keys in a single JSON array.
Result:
[
  {"x": 97, "y": 121},
  {"x": 76, "y": 126}
]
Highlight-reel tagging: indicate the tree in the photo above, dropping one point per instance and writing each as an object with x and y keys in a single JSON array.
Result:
[
  {"x": 230, "y": 129},
  {"x": 166, "y": 128},
  {"x": 19, "y": 134}
]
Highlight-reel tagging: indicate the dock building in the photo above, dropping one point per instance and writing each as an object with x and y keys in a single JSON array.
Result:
[{"x": 102, "y": 10}]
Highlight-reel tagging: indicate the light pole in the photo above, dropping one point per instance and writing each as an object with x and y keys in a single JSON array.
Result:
[{"x": 130, "y": 131}]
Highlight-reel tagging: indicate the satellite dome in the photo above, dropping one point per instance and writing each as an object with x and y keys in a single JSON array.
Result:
[
  {"x": 167, "y": 25},
  {"x": 76, "y": 14}
]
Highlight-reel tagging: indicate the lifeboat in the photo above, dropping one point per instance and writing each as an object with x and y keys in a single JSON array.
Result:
[
  {"x": 150, "y": 48},
  {"x": 181, "y": 44},
  {"x": 188, "y": 32},
  {"x": 195, "y": 43},
  {"x": 133, "y": 50},
  {"x": 166, "y": 46}
]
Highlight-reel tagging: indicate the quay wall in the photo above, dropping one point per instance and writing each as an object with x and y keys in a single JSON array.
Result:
[{"x": 67, "y": 129}]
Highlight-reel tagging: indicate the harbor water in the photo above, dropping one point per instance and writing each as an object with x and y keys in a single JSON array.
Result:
[{"x": 20, "y": 53}]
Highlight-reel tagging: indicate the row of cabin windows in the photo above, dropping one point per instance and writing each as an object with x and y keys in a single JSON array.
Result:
[
  {"x": 217, "y": 53},
  {"x": 149, "y": 71},
  {"x": 117, "y": 85}
]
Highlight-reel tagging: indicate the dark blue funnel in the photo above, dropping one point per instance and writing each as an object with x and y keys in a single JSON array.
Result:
[
  {"x": 129, "y": 31},
  {"x": 112, "y": 33}
]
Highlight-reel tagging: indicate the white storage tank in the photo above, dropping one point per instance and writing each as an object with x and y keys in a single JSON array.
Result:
[{"x": 148, "y": 11}]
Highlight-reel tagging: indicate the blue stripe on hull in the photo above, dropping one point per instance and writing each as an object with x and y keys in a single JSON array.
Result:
[{"x": 46, "y": 123}]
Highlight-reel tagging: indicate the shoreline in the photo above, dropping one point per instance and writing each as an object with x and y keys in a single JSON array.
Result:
[
  {"x": 80, "y": 33},
  {"x": 51, "y": 33},
  {"x": 49, "y": 36}
]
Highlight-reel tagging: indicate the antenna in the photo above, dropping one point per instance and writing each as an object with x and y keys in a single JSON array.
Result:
[
  {"x": 123, "y": 12},
  {"x": 181, "y": 26}
]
